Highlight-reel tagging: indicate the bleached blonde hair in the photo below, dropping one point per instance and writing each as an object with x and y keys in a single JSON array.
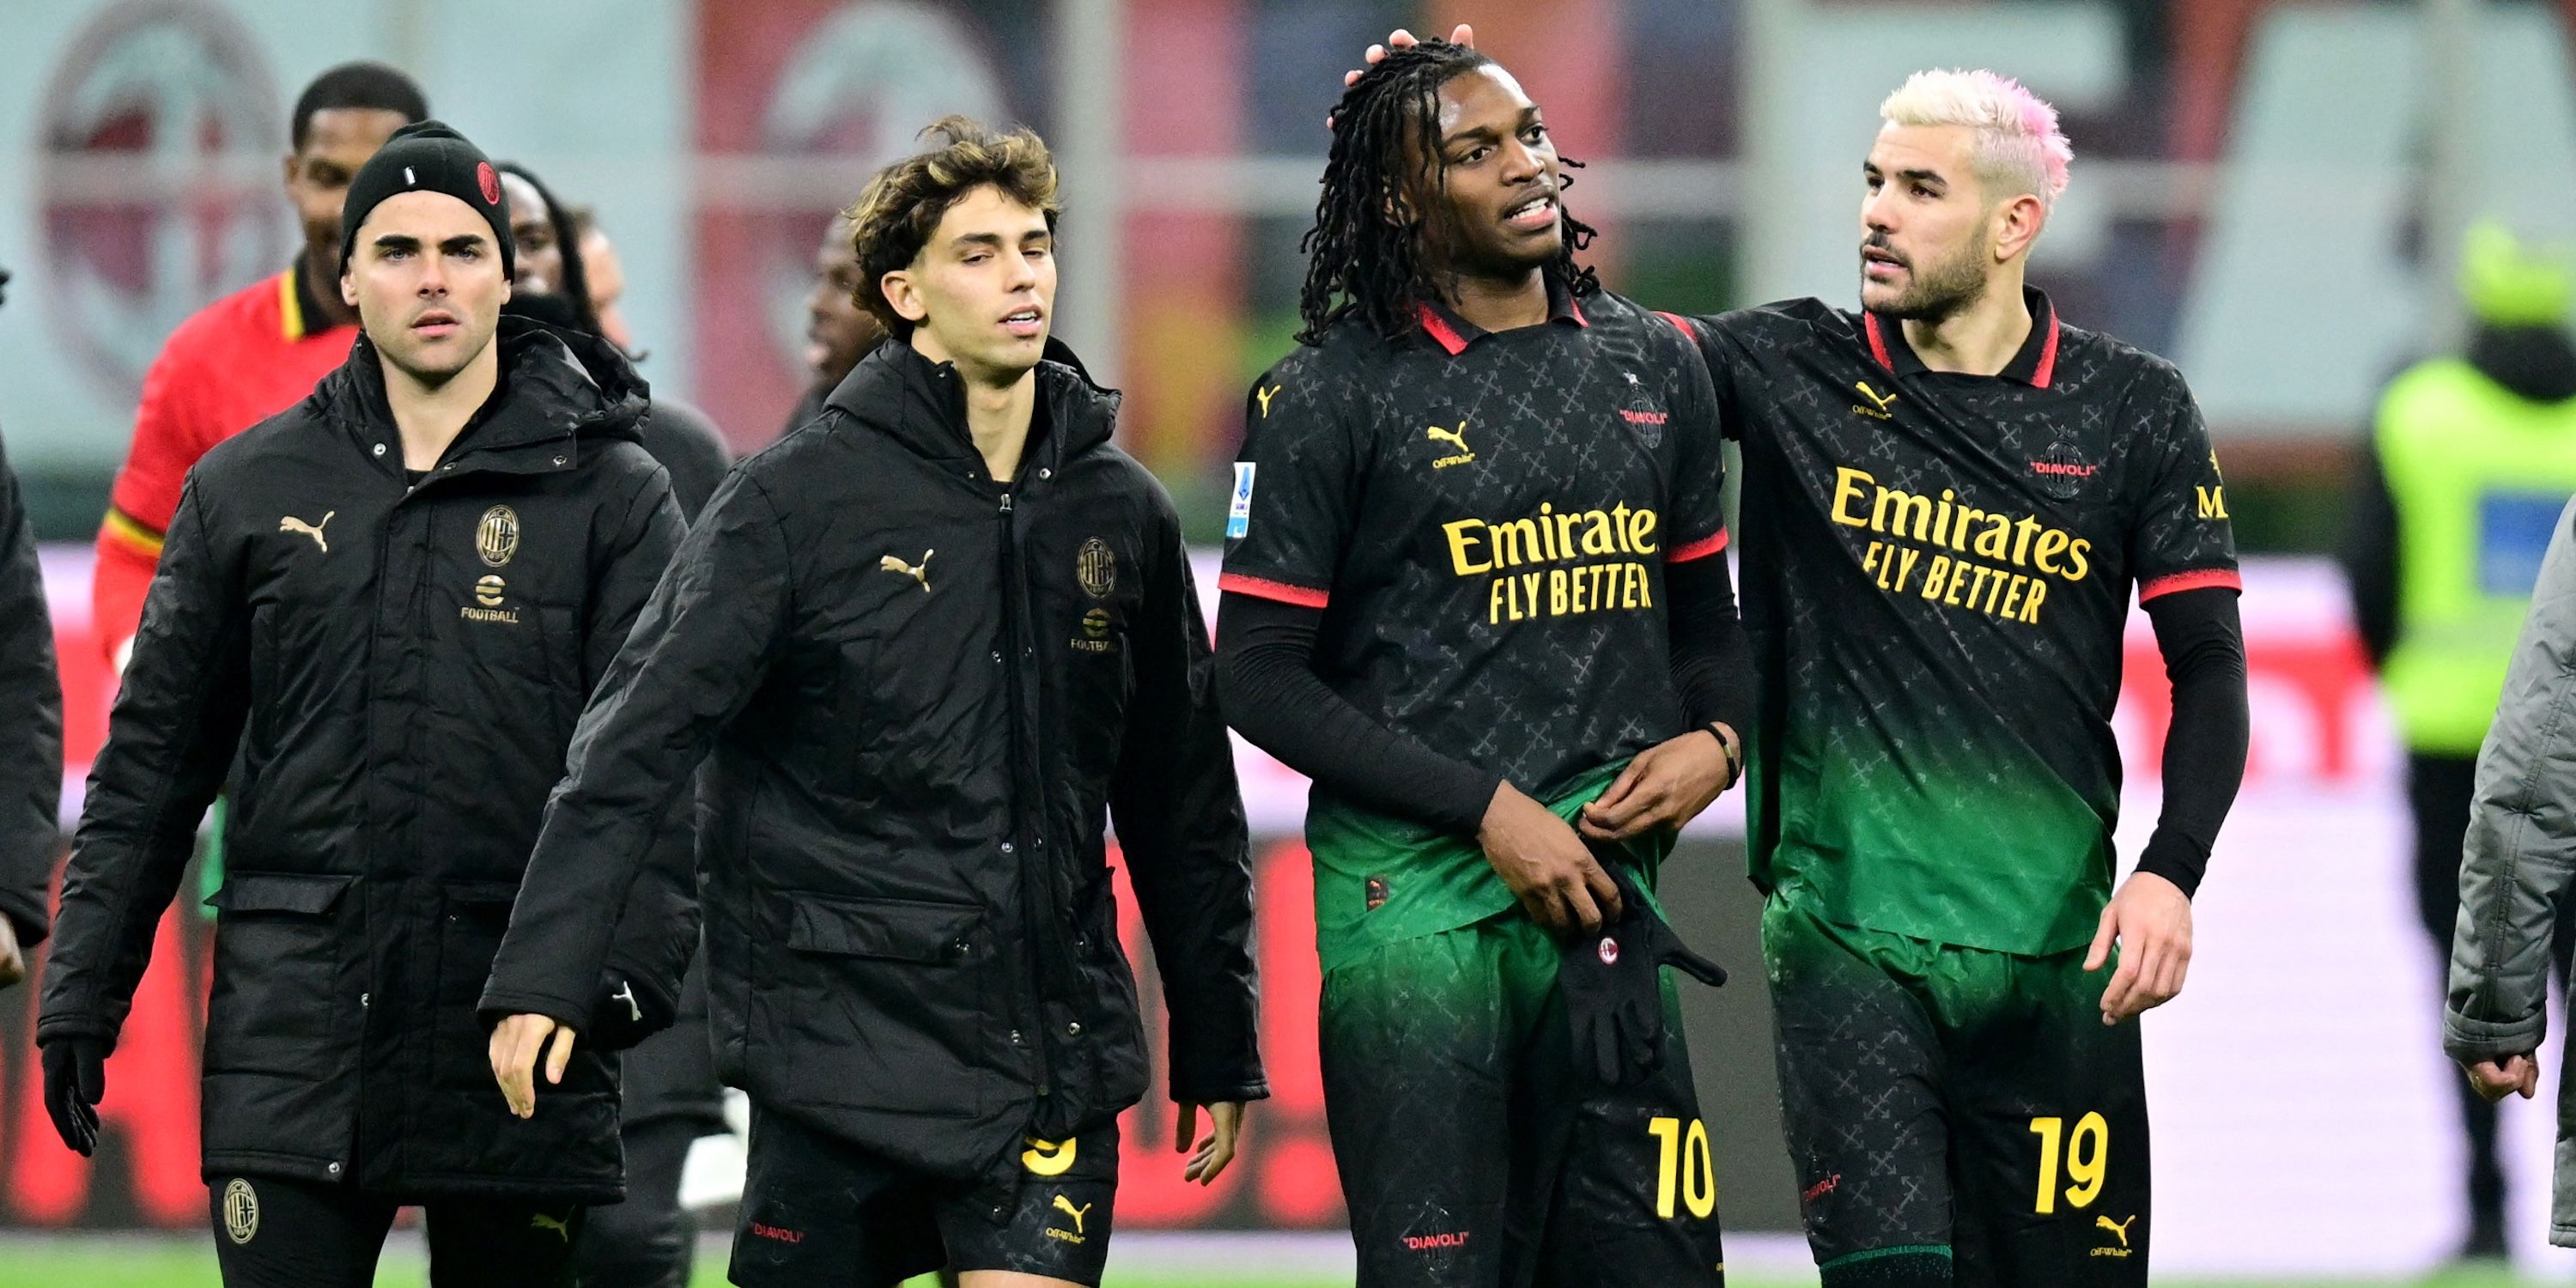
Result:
[{"x": 2018, "y": 146}]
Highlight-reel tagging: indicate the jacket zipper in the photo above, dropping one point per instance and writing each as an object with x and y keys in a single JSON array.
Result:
[{"x": 1014, "y": 647}]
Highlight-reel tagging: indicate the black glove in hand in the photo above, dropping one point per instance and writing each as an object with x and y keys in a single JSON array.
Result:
[
  {"x": 1614, "y": 996},
  {"x": 626, "y": 1013},
  {"x": 75, "y": 1081}
]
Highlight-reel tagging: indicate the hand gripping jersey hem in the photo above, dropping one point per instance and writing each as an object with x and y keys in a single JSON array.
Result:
[
  {"x": 1713, "y": 543},
  {"x": 1263, "y": 588},
  {"x": 2160, "y": 586}
]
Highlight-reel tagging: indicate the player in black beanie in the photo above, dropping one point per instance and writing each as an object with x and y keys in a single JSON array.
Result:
[{"x": 428, "y": 157}]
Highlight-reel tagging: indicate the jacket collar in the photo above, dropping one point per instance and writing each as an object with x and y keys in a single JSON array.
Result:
[
  {"x": 921, "y": 405},
  {"x": 556, "y": 386}
]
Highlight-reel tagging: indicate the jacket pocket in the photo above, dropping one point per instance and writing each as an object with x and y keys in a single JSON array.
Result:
[
  {"x": 274, "y": 1007},
  {"x": 474, "y": 915},
  {"x": 889, "y": 1005}
]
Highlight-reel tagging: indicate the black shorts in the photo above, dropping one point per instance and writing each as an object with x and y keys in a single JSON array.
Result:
[
  {"x": 1957, "y": 1115},
  {"x": 273, "y": 1233},
  {"x": 1471, "y": 1154},
  {"x": 818, "y": 1212}
]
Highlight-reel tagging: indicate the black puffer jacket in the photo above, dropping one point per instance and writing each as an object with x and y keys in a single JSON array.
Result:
[
  {"x": 400, "y": 668},
  {"x": 31, "y": 726},
  {"x": 924, "y": 692}
]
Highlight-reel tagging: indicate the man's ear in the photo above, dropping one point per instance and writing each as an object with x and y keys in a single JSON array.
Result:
[
  {"x": 902, "y": 293},
  {"x": 349, "y": 286},
  {"x": 2017, "y": 225}
]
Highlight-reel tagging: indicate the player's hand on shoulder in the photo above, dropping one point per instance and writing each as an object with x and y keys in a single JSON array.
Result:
[
  {"x": 1665, "y": 787},
  {"x": 2150, "y": 919},
  {"x": 2493, "y": 1080},
  {"x": 1544, "y": 864}
]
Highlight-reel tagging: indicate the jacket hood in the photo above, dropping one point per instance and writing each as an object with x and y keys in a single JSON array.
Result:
[
  {"x": 921, "y": 404},
  {"x": 555, "y": 384}
]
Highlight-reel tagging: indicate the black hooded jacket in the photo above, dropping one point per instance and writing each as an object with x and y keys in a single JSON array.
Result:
[
  {"x": 924, "y": 692},
  {"x": 399, "y": 667}
]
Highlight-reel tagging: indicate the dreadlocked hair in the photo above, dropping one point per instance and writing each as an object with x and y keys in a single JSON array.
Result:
[{"x": 1366, "y": 253}]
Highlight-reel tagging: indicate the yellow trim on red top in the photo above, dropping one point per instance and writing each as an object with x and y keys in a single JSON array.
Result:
[
  {"x": 290, "y": 304},
  {"x": 132, "y": 531}
]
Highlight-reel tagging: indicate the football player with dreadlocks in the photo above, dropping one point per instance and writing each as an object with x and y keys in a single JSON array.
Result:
[{"x": 1472, "y": 589}]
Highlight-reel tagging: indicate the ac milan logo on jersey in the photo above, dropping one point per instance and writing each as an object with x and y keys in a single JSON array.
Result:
[
  {"x": 490, "y": 182},
  {"x": 1609, "y": 951}
]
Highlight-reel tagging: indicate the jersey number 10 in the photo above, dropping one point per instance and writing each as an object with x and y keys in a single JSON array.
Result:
[{"x": 1683, "y": 1157}]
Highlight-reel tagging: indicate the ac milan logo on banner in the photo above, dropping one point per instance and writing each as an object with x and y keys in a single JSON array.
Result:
[
  {"x": 158, "y": 179},
  {"x": 489, "y": 181}
]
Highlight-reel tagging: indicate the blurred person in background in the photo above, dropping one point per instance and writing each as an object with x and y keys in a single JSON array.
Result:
[
  {"x": 553, "y": 286},
  {"x": 2469, "y": 461},
  {"x": 838, "y": 330},
  {"x": 671, "y": 1097},
  {"x": 31, "y": 735},
  {"x": 912, "y": 941},
  {"x": 385, "y": 605},
  {"x": 253, "y": 353},
  {"x": 607, "y": 277}
]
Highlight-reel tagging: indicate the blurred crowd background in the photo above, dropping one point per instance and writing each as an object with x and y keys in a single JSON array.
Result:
[{"x": 2275, "y": 195}]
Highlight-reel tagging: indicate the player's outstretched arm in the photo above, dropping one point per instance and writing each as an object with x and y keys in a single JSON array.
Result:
[
  {"x": 700, "y": 648},
  {"x": 2519, "y": 863},
  {"x": 177, "y": 721},
  {"x": 1179, "y": 815}
]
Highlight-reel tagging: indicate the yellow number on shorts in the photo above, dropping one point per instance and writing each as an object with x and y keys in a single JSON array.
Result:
[
  {"x": 2086, "y": 1167},
  {"x": 1683, "y": 1163}
]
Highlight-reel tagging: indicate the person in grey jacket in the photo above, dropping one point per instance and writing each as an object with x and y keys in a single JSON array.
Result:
[{"x": 2519, "y": 866}]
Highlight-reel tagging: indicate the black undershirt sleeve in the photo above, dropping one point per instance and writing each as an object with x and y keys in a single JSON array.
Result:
[
  {"x": 1267, "y": 685},
  {"x": 1712, "y": 659},
  {"x": 2204, "y": 651}
]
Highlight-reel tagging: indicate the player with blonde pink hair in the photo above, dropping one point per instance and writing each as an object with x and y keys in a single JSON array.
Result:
[{"x": 1949, "y": 497}]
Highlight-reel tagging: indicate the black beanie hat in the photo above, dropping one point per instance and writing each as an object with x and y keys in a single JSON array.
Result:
[{"x": 428, "y": 157}]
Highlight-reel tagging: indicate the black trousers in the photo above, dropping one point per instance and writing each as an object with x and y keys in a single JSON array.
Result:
[
  {"x": 646, "y": 1241},
  {"x": 2438, "y": 789},
  {"x": 272, "y": 1233}
]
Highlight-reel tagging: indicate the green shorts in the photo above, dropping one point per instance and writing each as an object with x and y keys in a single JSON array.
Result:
[{"x": 1956, "y": 1115}]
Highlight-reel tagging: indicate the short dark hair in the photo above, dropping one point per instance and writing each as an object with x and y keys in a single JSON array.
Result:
[
  {"x": 904, "y": 203},
  {"x": 359, "y": 85}
]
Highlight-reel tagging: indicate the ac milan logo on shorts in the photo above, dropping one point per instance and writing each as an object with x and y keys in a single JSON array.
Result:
[
  {"x": 1609, "y": 951},
  {"x": 490, "y": 183}
]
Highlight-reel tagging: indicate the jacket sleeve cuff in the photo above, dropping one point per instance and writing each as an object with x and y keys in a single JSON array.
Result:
[
  {"x": 499, "y": 1004},
  {"x": 1194, "y": 1092},
  {"x": 54, "y": 1027},
  {"x": 2469, "y": 1041}
]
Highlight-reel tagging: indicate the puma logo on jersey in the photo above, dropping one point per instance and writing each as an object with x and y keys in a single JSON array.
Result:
[
  {"x": 540, "y": 1221},
  {"x": 1455, "y": 438},
  {"x": 1265, "y": 395},
  {"x": 919, "y": 572},
  {"x": 1878, "y": 405},
  {"x": 2118, "y": 1228},
  {"x": 314, "y": 530},
  {"x": 1065, "y": 1205}
]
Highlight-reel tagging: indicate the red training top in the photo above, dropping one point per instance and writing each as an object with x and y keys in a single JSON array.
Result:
[{"x": 235, "y": 363}]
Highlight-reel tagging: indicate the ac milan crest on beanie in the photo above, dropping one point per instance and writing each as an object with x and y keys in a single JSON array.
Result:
[{"x": 428, "y": 157}]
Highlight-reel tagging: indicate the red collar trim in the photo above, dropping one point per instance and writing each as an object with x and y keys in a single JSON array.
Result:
[
  {"x": 1441, "y": 331},
  {"x": 1877, "y": 342}
]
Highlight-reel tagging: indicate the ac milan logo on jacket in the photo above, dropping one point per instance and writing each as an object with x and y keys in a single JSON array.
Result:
[
  {"x": 489, "y": 182},
  {"x": 1609, "y": 951}
]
